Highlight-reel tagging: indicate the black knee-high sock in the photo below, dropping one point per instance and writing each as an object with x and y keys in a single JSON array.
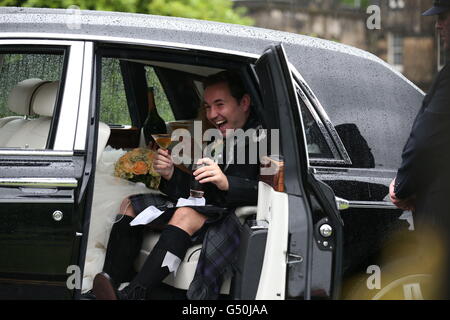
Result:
[
  {"x": 124, "y": 245},
  {"x": 173, "y": 240}
]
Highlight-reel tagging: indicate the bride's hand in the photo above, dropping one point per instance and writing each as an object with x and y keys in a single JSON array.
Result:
[{"x": 211, "y": 172}]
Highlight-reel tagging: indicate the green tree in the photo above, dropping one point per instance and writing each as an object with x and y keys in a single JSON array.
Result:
[
  {"x": 215, "y": 10},
  {"x": 355, "y": 3},
  {"x": 12, "y": 3}
]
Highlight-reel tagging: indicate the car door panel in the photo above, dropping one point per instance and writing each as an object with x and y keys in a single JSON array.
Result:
[
  {"x": 273, "y": 208},
  {"x": 282, "y": 111},
  {"x": 371, "y": 218},
  {"x": 42, "y": 199},
  {"x": 38, "y": 225}
]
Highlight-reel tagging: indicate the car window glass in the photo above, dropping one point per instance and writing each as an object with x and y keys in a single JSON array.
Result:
[
  {"x": 29, "y": 84},
  {"x": 161, "y": 101},
  {"x": 317, "y": 145},
  {"x": 113, "y": 100},
  {"x": 367, "y": 132}
]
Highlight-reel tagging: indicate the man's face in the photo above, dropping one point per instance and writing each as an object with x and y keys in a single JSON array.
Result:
[
  {"x": 223, "y": 110},
  {"x": 443, "y": 26}
]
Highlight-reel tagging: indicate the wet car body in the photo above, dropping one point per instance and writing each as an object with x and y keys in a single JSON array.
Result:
[{"x": 356, "y": 113}]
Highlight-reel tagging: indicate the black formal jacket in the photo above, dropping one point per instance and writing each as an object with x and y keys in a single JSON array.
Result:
[
  {"x": 425, "y": 169},
  {"x": 242, "y": 180}
]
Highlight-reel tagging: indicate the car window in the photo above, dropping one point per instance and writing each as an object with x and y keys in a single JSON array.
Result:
[
  {"x": 29, "y": 86},
  {"x": 114, "y": 106},
  {"x": 348, "y": 144},
  {"x": 367, "y": 132},
  {"x": 161, "y": 101},
  {"x": 113, "y": 100},
  {"x": 317, "y": 145}
]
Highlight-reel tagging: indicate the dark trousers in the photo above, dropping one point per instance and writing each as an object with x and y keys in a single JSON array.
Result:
[{"x": 123, "y": 248}]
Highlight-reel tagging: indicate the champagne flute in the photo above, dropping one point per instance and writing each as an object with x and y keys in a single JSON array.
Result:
[
  {"x": 174, "y": 125},
  {"x": 163, "y": 140}
]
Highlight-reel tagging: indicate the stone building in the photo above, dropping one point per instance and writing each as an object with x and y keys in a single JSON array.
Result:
[{"x": 403, "y": 37}]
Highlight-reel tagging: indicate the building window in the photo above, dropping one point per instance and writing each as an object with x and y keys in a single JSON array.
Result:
[
  {"x": 395, "y": 51},
  {"x": 396, "y": 4},
  {"x": 442, "y": 54}
]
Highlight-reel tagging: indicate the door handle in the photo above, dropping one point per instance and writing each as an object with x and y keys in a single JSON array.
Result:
[{"x": 342, "y": 204}]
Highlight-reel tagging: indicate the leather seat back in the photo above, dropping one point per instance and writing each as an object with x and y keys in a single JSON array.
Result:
[
  {"x": 37, "y": 97},
  {"x": 34, "y": 133},
  {"x": 19, "y": 102}
]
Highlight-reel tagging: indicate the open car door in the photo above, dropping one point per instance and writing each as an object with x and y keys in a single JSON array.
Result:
[{"x": 303, "y": 249}]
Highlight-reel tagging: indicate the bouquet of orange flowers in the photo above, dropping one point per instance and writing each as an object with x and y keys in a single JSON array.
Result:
[{"x": 137, "y": 166}]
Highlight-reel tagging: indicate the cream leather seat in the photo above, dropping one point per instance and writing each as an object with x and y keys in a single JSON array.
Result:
[
  {"x": 33, "y": 133},
  {"x": 19, "y": 102},
  {"x": 104, "y": 131},
  {"x": 186, "y": 270}
]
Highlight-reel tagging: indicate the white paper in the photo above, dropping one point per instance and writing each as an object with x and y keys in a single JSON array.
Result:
[
  {"x": 146, "y": 216},
  {"x": 171, "y": 261},
  {"x": 183, "y": 202}
]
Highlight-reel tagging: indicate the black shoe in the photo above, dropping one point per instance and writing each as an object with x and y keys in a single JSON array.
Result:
[
  {"x": 88, "y": 295},
  {"x": 132, "y": 292},
  {"x": 103, "y": 287}
]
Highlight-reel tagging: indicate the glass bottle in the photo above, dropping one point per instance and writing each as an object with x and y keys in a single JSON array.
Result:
[{"x": 153, "y": 124}]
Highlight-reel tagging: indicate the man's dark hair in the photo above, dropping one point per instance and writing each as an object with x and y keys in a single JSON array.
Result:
[{"x": 233, "y": 80}]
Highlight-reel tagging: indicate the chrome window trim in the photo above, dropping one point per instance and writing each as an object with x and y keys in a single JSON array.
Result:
[
  {"x": 323, "y": 130},
  {"x": 121, "y": 40},
  {"x": 323, "y": 121},
  {"x": 85, "y": 97},
  {"x": 65, "y": 131},
  {"x": 323, "y": 115},
  {"x": 39, "y": 182},
  {"x": 293, "y": 83},
  {"x": 327, "y": 162},
  {"x": 27, "y": 152},
  {"x": 36, "y": 200},
  {"x": 35, "y": 42}
]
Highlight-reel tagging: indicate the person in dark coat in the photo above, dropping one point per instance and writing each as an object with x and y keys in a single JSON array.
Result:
[
  {"x": 226, "y": 186},
  {"x": 422, "y": 184}
]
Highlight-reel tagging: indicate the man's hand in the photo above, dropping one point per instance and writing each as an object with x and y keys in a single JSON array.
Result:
[
  {"x": 163, "y": 164},
  {"x": 407, "y": 204},
  {"x": 211, "y": 172}
]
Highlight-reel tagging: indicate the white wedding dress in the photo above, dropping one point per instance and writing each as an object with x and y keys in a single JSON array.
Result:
[{"x": 109, "y": 191}]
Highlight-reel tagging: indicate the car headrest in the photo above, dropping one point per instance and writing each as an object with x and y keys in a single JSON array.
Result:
[
  {"x": 20, "y": 98},
  {"x": 45, "y": 98}
]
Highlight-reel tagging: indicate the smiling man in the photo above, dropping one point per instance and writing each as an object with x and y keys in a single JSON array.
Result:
[
  {"x": 226, "y": 106},
  {"x": 422, "y": 184}
]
